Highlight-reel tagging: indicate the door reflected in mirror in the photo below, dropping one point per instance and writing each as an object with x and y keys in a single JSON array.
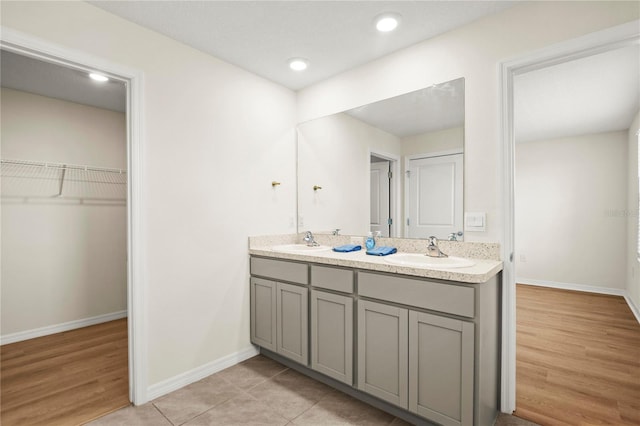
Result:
[{"x": 394, "y": 166}]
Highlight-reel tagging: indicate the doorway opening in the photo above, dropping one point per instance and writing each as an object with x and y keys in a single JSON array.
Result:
[
  {"x": 604, "y": 41},
  {"x": 384, "y": 192},
  {"x": 33, "y": 48}
]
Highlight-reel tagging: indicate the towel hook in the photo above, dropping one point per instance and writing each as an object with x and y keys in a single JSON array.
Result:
[{"x": 316, "y": 187}]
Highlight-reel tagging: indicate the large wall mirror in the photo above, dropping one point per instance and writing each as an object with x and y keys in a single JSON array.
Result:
[{"x": 394, "y": 166}]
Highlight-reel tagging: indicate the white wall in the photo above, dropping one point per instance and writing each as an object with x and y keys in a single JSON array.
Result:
[
  {"x": 570, "y": 194},
  {"x": 333, "y": 152},
  {"x": 633, "y": 267},
  {"x": 472, "y": 52},
  {"x": 61, "y": 260},
  {"x": 442, "y": 140},
  {"x": 215, "y": 138}
]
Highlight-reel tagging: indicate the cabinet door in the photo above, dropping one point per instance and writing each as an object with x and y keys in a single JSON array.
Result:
[
  {"x": 332, "y": 335},
  {"x": 383, "y": 351},
  {"x": 292, "y": 322},
  {"x": 263, "y": 313},
  {"x": 441, "y": 368}
]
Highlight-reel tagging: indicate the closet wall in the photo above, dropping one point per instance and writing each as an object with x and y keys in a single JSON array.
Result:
[{"x": 63, "y": 258}]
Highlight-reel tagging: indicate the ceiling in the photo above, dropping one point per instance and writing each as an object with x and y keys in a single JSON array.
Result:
[
  {"x": 434, "y": 108},
  {"x": 55, "y": 81},
  {"x": 335, "y": 36},
  {"x": 596, "y": 94},
  {"x": 591, "y": 95}
]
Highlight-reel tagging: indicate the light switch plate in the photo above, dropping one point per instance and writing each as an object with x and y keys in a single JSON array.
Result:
[{"x": 475, "y": 221}]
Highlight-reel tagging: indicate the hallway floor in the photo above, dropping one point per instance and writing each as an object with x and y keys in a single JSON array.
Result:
[{"x": 577, "y": 358}]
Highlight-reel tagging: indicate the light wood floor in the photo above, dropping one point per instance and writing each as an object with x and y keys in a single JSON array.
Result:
[
  {"x": 577, "y": 358},
  {"x": 66, "y": 378}
]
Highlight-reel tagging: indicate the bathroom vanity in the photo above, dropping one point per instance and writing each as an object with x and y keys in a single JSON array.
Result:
[{"x": 420, "y": 343}]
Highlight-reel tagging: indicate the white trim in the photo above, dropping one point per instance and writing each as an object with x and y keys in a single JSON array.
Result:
[
  {"x": 183, "y": 379},
  {"x": 59, "y": 328},
  {"x": 28, "y": 45},
  {"x": 573, "y": 286},
  {"x": 590, "y": 44},
  {"x": 586, "y": 288},
  {"x": 433, "y": 154},
  {"x": 635, "y": 309}
]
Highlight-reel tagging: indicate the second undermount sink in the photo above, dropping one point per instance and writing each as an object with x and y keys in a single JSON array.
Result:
[
  {"x": 419, "y": 260},
  {"x": 300, "y": 248}
]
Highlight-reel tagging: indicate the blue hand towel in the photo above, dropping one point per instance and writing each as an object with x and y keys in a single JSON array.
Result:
[
  {"x": 382, "y": 251},
  {"x": 347, "y": 248}
]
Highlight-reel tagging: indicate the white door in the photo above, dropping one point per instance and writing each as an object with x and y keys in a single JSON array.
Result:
[
  {"x": 434, "y": 196},
  {"x": 380, "y": 212}
]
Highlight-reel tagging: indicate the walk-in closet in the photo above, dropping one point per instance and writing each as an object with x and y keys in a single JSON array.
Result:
[{"x": 63, "y": 154}]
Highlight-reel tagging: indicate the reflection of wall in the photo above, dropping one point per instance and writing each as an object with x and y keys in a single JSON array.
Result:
[
  {"x": 61, "y": 261},
  {"x": 473, "y": 52},
  {"x": 333, "y": 153},
  {"x": 569, "y": 195},
  {"x": 442, "y": 140},
  {"x": 633, "y": 266}
]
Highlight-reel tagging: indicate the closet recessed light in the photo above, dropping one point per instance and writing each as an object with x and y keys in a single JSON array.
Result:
[
  {"x": 387, "y": 22},
  {"x": 98, "y": 77},
  {"x": 298, "y": 64}
]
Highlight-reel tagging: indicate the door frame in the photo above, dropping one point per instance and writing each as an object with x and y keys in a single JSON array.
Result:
[
  {"x": 27, "y": 45},
  {"x": 598, "y": 42},
  {"x": 394, "y": 188}
]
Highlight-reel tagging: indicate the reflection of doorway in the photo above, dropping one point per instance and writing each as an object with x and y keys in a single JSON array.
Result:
[
  {"x": 383, "y": 192},
  {"x": 380, "y": 189},
  {"x": 433, "y": 196}
]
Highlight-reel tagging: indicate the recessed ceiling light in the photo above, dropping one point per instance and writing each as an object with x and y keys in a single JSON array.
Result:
[
  {"x": 298, "y": 64},
  {"x": 98, "y": 77},
  {"x": 387, "y": 22}
]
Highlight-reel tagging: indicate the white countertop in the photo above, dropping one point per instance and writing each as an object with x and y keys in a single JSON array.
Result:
[{"x": 481, "y": 272}]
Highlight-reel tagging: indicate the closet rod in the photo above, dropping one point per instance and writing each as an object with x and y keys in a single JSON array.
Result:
[{"x": 61, "y": 166}]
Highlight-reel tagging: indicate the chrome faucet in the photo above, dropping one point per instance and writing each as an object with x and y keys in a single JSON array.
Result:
[
  {"x": 454, "y": 236},
  {"x": 433, "y": 250},
  {"x": 308, "y": 238}
]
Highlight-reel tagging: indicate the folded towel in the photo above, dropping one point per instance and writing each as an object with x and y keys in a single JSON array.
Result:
[
  {"x": 347, "y": 248},
  {"x": 382, "y": 251}
]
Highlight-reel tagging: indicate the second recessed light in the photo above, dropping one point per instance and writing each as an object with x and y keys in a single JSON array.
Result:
[
  {"x": 387, "y": 22},
  {"x": 298, "y": 64}
]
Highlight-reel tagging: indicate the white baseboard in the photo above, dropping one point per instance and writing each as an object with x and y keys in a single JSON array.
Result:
[
  {"x": 176, "y": 382},
  {"x": 587, "y": 288},
  {"x": 634, "y": 308},
  {"x": 59, "y": 328}
]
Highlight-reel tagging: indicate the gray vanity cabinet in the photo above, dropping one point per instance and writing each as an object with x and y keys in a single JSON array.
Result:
[
  {"x": 332, "y": 335},
  {"x": 383, "y": 351},
  {"x": 280, "y": 311},
  {"x": 291, "y": 322},
  {"x": 426, "y": 348},
  {"x": 441, "y": 374},
  {"x": 263, "y": 313}
]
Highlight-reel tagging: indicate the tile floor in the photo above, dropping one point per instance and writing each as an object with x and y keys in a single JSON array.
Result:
[{"x": 258, "y": 391}]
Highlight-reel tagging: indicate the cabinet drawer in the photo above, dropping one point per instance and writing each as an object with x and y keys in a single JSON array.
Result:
[
  {"x": 452, "y": 299},
  {"x": 280, "y": 270},
  {"x": 332, "y": 278}
]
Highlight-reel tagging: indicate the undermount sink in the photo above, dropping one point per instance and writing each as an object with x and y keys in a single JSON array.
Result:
[
  {"x": 419, "y": 260},
  {"x": 300, "y": 248}
]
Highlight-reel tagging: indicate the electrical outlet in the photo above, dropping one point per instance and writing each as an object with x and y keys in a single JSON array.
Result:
[
  {"x": 523, "y": 258},
  {"x": 300, "y": 221}
]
